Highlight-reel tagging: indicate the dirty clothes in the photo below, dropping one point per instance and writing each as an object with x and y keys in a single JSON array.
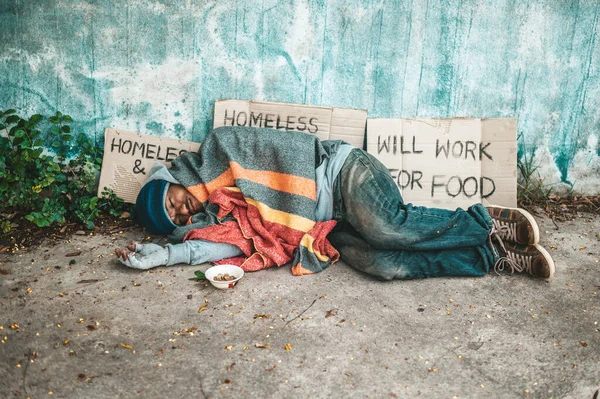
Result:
[{"x": 380, "y": 235}]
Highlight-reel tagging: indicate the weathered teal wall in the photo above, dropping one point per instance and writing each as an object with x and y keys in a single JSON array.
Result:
[{"x": 157, "y": 66}]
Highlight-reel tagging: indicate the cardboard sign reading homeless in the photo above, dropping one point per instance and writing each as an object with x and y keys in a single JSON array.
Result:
[
  {"x": 325, "y": 123},
  {"x": 448, "y": 163},
  {"x": 129, "y": 156}
]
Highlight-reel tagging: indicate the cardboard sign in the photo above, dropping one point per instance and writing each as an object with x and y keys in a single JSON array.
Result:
[
  {"x": 448, "y": 163},
  {"x": 325, "y": 123},
  {"x": 129, "y": 156}
]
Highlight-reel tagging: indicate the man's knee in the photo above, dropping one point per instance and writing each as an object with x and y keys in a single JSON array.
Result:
[
  {"x": 368, "y": 262},
  {"x": 362, "y": 256}
]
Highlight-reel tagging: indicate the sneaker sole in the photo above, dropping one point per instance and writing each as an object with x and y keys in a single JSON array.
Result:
[
  {"x": 528, "y": 216},
  {"x": 551, "y": 264}
]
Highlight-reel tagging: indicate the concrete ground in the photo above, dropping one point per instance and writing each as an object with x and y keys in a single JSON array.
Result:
[{"x": 77, "y": 324}]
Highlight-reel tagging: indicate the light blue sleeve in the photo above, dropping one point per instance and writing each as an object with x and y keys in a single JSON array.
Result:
[
  {"x": 195, "y": 252},
  {"x": 326, "y": 174}
]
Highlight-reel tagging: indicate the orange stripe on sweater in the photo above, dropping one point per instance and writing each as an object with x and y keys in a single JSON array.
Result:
[
  {"x": 286, "y": 219},
  {"x": 198, "y": 191},
  {"x": 277, "y": 181},
  {"x": 298, "y": 270},
  {"x": 202, "y": 191}
]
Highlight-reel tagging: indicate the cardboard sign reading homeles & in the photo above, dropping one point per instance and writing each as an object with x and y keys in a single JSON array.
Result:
[
  {"x": 324, "y": 122},
  {"x": 128, "y": 157},
  {"x": 448, "y": 163}
]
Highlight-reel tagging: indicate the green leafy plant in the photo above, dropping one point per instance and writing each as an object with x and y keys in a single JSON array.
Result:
[
  {"x": 111, "y": 203},
  {"x": 49, "y": 177},
  {"x": 531, "y": 186},
  {"x": 5, "y": 226}
]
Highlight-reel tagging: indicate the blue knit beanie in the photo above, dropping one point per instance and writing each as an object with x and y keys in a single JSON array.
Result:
[{"x": 150, "y": 208}]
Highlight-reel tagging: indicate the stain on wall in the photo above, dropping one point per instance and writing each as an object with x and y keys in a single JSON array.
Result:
[{"x": 157, "y": 66}]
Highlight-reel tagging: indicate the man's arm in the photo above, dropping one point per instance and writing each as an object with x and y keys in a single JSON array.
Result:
[{"x": 193, "y": 252}]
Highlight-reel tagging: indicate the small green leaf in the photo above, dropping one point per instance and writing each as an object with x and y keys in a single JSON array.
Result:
[
  {"x": 67, "y": 119},
  {"x": 199, "y": 276},
  {"x": 9, "y": 111},
  {"x": 12, "y": 119},
  {"x": 61, "y": 178},
  {"x": 65, "y": 129},
  {"x": 36, "y": 118}
]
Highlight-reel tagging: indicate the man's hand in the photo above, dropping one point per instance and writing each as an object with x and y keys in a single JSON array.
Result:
[{"x": 143, "y": 256}]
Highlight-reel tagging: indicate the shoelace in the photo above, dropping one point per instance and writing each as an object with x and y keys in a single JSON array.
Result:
[
  {"x": 506, "y": 262},
  {"x": 509, "y": 259},
  {"x": 525, "y": 262},
  {"x": 508, "y": 229}
]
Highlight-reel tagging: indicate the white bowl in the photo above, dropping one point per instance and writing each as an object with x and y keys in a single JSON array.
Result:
[{"x": 232, "y": 270}]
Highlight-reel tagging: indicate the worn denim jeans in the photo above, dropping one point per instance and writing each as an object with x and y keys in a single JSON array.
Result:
[{"x": 380, "y": 235}]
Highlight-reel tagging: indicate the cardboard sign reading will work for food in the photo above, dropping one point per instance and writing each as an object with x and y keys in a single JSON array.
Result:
[
  {"x": 129, "y": 156},
  {"x": 325, "y": 123},
  {"x": 448, "y": 163}
]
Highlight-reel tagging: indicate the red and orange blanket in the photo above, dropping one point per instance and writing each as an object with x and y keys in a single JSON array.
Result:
[{"x": 261, "y": 184}]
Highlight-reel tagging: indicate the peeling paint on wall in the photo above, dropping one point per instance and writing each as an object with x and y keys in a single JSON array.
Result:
[
  {"x": 155, "y": 94},
  {"x": 158, "y": 66},
  {"x": 585, "y": 170}
]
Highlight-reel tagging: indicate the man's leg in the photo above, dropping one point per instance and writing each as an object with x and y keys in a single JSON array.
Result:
[
  {"x": 402, "y": 264},
  {"x": 374, "y": 207}
]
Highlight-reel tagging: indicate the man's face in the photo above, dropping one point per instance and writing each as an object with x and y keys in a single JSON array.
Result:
[{"x": 181, "y": 205}]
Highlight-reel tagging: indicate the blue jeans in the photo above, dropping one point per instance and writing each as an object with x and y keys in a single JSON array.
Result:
[{"x": 379, "y": 234}]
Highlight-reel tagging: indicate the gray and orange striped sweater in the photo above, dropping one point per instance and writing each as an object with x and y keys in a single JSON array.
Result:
[{"x": 259, "y": 191}]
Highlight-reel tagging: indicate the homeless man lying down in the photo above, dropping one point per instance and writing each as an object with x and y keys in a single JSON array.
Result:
[{"x": 259, "y": 198}]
